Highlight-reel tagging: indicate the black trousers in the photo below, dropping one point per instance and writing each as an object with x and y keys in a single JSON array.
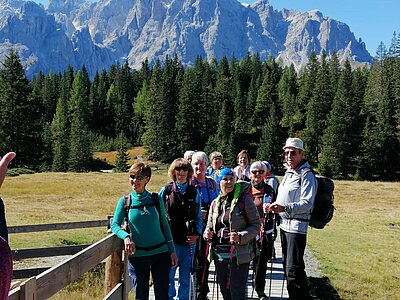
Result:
[{"x": 293, "y": 246}]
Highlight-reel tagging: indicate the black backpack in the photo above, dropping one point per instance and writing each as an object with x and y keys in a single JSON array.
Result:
[{"x": 323, "y": 209}]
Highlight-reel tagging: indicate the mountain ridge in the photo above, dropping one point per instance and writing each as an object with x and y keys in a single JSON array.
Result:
[{"x": 99, "y": 34}]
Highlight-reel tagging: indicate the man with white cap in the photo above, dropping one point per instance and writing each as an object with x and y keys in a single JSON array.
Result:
[{"x": 294, "y": 203}]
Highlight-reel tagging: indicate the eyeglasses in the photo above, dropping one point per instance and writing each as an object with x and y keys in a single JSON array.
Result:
[
  {"x": 258, "y": 172},
  {"x": 137, "y": 177},
  {"x": 184, "y": 169},
  {"x": 291, "y": 152}
]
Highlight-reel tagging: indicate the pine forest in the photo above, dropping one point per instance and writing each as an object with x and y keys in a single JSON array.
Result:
[{"x": 348, "y": 118}]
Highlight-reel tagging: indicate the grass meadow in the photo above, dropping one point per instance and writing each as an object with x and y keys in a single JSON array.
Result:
[{"x": 358, "y": 251}]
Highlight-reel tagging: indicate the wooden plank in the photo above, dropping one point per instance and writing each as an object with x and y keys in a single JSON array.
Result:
[
  {"x": 28, "y": 289},
  {"x": 29, "y": 272},
  {"x": 57, "y": 226},
  {"x": 59, "y": 276},
  {"x": 14, "y": 294},
  {"x": 115, "y": 293},
  {"x": 47, "y": 252}
]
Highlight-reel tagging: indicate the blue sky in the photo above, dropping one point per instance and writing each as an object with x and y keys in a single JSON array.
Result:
[{"x": 371, "y": 20}]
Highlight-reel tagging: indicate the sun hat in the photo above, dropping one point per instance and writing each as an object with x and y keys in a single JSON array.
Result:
[{"x": 294, "y": 143}]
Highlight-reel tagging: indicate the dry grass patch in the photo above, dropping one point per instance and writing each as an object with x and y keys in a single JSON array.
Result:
[{"x": 358, "y": 251}]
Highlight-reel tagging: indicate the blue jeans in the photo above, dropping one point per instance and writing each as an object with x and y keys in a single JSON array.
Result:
[
  {"x": 139, "y": 271},
  {"x": 184, "y": 263}
]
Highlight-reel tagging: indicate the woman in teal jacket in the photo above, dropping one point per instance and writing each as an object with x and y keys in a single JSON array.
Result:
[{"x": 149, "y": 243}]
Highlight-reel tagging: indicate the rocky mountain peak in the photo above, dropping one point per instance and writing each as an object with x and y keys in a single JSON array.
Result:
[{"x": 98, "y": 34}]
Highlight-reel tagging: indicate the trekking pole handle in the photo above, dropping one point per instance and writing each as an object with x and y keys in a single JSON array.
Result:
[
  {"x": 234, "y": 237},
  {"x": 208, "y": 234}
]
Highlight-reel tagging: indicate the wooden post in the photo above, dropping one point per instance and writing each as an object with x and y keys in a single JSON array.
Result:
[
  {"x": 128, "y": 284},
  {"x": 28, "y": 289},
  {"x": 113, "y": 271}
]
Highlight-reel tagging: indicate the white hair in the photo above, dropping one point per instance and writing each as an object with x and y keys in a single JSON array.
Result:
[
  {"x": 200, "y": 155},
  {"x": 258, "y": 165},
  {"x": 188, "y": 154}
]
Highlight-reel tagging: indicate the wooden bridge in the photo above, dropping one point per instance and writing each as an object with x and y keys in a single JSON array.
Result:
[{"x": 117, "y": 282}]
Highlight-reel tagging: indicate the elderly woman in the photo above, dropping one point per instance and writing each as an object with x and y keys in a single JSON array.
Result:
[
  {"x": 183, "y": 209},
  {"x": 242, "y": 170},
  {"x": 207, "y": 188},
  {"x": 232, "y": 226},
  {"x": 188, "y": 155},
  {"x": 215, "y": 165},
  {"x": 149, "y": 243},
  {"x": 263, "y": 196}
]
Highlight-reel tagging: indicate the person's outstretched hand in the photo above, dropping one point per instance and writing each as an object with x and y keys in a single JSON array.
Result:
[{"x": 4, "y": 162}]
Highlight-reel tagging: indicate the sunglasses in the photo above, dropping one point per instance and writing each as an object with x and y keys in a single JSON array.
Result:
[
  {"x": 292, "y": 152},
  {"x": 137, "y": 177},
  {"x": 184, "y": 169},
  {"x": 258, "y": 172}
]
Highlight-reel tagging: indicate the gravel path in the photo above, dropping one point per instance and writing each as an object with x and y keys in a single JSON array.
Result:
[{"x": 312, "y": 265}]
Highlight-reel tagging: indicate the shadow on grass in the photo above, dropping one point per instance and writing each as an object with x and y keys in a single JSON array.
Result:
[{"x": 321, "y": 289}]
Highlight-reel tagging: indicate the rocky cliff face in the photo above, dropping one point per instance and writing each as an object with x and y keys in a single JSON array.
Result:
[{"x": 76, "y": 32}]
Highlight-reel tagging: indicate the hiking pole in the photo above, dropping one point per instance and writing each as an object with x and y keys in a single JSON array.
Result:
[
  {"x": 271, "y": 216},
  {"x": 283, "y": 285},
  {"x": 203, "y": 274},
  {"x": 192, "y": 293},
  {"x": 270, "y": 278},
  {"x": 228, "y": 278}
]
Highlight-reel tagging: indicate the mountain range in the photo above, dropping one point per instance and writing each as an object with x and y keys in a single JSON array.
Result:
[{"x": 99, "y": 34}]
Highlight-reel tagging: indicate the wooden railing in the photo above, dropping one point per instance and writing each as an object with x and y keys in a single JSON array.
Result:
[{"x": 55, "y": 278}]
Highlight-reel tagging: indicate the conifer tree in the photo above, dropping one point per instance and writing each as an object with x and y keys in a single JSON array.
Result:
[
  {"x": 60, "y": 131},
  {"x": 334, "y": 71},
  {"x": 318, "y": 109},
  {"x": 306, "y": 88},
  {"x": 19, "y": 113},
  {"x": 160, "y": 137},
  {"x": 272, "y": 138},
  {"x": 50, "y": 94},
  {"x": 80, "y": 148},
  {"x": 223, "y": 138},
  {"x": 44, "y": 144},
  {"x": 121, "y": 164},
  {"x": 380, "y": 137},
  {"x": 265, "y": 100},
  {"x": 150, "y": 118},
  {"x": 61, "y": 124},
  {"x": 287, "y": 92},
  {"x": 340, "y": 140}
]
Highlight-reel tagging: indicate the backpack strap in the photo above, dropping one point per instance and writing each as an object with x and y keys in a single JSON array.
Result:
[
  {"x": 127, "y": 204},
  {"x": 211, "y": 182},
  {"x": 156, "y": 203}
]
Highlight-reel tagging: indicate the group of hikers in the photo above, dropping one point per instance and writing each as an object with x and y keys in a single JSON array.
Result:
[
  {"x": 211, "y": 212},
  {"x": 207, "y": 212}
]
